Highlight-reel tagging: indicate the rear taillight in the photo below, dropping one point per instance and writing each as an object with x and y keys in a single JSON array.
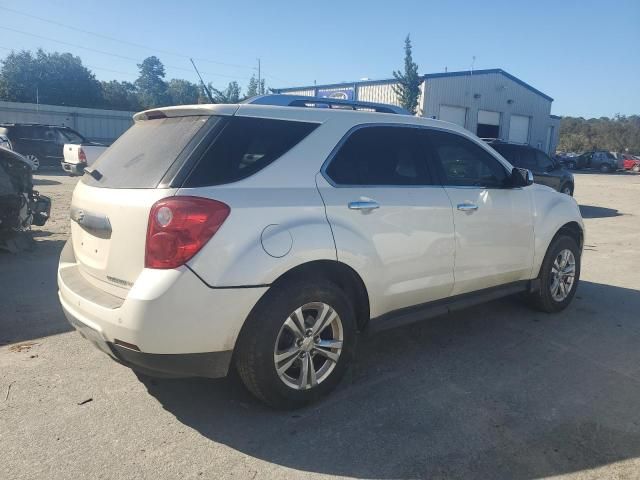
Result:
[
  {"x": 179, "y": 227},
  {"x": 82, "y": 157}
]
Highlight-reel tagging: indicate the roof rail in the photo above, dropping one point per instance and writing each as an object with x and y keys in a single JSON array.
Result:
[{"x": 283, "y": 100}]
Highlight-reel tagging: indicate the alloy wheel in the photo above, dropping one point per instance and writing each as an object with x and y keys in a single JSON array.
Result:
[
  {"x": 563, "y": 273},
  {"x": 33, "y": 160},
  {"x": 308, "y": 346}
]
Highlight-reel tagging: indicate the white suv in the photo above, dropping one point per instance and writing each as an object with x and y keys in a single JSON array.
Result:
[{"x": 264, "y": 237}]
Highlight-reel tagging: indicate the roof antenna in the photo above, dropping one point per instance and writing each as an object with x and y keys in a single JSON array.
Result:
[{"x": 202, "y": 81}]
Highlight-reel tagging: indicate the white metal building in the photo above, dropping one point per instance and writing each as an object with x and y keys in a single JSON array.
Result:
[
  {"x": 93, "y": 123},
  {"x": 490, "y": 103}
]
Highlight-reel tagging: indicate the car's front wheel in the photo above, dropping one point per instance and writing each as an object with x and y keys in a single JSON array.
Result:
[
  {"x": 567, "y": 189},
  {"x": 297, "y": 343},
  {"x": 636, "y": 168},
  {"x": 559, "y": 275}
]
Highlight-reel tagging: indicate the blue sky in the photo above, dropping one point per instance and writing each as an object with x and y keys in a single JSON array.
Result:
[{"x": 584, "y": 54}]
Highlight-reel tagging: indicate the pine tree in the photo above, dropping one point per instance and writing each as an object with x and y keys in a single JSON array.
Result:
[
  {"x": 255, "y": 88},
  {"x": 408, "y": 87}
]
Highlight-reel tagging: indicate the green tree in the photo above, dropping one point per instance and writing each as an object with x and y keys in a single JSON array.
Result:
[
  {"x": 152, "y": 89},
  {"x": 183, "y": 92},
  {"x": 620, "y": 134},
  {"x": 255, "y": 88},
  {"x": 120, "y": 96},
  {"x": 53, "y": 78},
  {"x": 231, "y": 94},
  {"x": 408, "y": 87}
]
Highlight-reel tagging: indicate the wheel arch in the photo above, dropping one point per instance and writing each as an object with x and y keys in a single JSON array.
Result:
[
  {"x": 572, "y": 229},
  {"x": 567, "y": 182},
  {"x": 339, "y": 273}
]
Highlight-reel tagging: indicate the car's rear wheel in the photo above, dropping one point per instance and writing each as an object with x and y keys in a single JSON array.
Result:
[
  {"x": 636, "y": 168},
  {"x": 297, "y": 343},
  {"x": 33, "y": 160},
  {"x": 605, "y": 168},
  {"x": 559, "y": 276}
]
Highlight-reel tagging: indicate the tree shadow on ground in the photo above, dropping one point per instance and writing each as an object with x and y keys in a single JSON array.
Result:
[{"x": 497, "y": 391}]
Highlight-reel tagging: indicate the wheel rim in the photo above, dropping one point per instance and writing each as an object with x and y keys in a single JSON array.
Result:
[
  {"x": 563, "y": 274},
  {"x": 34, "y": 161},
  {"x": 308, "y": 346},
  {"x": 566, "y": 190}
]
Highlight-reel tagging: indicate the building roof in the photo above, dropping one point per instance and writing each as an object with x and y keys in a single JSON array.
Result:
[{"x": 425, "y": 77}]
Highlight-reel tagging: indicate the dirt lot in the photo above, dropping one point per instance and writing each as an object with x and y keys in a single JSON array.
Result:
[{"x": 498, "y": 391}]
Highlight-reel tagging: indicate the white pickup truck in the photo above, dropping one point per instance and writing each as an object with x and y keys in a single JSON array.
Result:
[{"x": 77, "y": 156}]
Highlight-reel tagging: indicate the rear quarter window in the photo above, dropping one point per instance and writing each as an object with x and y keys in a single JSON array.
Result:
[{"x": 245, "y": 146}]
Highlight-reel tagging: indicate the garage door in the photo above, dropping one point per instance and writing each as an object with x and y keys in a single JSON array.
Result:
[
  {"x": 488, "y": 124},
  {"x": 519, "y": 129},
  {"x": 452, "y": 114}
]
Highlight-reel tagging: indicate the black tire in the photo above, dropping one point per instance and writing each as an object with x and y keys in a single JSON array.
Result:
[
  {"x": 605, "y": 167},
  {"x": 567, "y": 189},
  {"x": 254, "y": 354},
  {"x": 543, "y": 299}
]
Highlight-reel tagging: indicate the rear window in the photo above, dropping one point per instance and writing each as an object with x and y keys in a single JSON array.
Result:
[
  {"x": 144, "y": 153},
  {"x": 245, "y": 146}
]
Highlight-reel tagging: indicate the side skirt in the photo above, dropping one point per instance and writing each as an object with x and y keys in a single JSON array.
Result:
[{"x": 424, "y": 311}]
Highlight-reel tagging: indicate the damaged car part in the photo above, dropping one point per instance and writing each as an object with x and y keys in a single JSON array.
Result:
[{"x": 20, "y": 205}]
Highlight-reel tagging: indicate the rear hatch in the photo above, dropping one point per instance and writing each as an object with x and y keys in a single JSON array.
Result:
[{"x": 110, "y": 205}]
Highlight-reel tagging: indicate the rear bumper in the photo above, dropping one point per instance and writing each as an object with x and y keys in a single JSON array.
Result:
[
  {"x": 73, "y": 168},
  {"x": 210, "y": 364},
  {"x": 180, "y": 326}
]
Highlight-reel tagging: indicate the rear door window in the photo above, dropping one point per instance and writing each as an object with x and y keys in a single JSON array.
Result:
[
  {"x": 381, "y": 155},
  {"x": 144, "y": 153},
  {"x": 245, "y": 146}
]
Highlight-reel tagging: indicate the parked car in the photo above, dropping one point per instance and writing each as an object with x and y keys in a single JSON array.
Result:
[
  {"x": 77, "y": 156},
  {"x": 631, "y": 162},
  {"x": 546, "y": 171},
  {"x": 40, "y": 144},
  {"x": 5, "y": 142},
  {"x": 20, "y": 205},
  {"x": 263, "y": 236},
  {"x": 601, "y": 160}
]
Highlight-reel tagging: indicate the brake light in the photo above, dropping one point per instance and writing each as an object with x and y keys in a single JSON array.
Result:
[
  {"x": 82, "y": 157},
  {"x": 179, "y": 227}
]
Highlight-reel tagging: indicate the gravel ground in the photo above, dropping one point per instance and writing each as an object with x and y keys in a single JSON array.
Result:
[{"x": 497, "y": 391}]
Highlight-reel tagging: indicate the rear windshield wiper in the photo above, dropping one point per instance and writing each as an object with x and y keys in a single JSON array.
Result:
[{"x": 94, "y": 173}]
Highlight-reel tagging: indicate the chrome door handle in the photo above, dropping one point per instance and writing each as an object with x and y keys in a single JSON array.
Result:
[
  {"x": 467, "y": 207},
  {"x": 364, "y": 205}
]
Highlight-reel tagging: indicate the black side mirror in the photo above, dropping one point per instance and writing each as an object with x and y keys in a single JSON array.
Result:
[{"x": 521, "y": 177}]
